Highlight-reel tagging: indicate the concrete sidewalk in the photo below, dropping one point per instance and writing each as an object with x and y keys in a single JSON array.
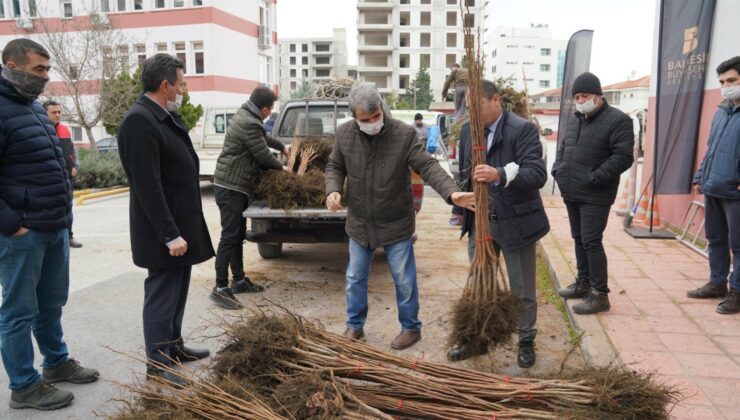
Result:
[{"x": 652, "y": 325}]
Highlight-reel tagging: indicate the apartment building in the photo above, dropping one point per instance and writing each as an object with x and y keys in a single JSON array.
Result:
[
  {"x": 398, "y": 37},
  {"x": 529, "y": 57},
  {"x": 229, "y": 47},
  {"x": 312, "y": 60}
]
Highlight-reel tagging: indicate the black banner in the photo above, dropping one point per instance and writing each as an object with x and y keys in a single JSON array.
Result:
[
  {"x": 577, "y": 61},
  {"x": 683, "y": 54}
]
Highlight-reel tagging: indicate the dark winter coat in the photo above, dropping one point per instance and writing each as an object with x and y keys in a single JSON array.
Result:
[
  {"x": 380, "y": 206},
  {"x": 516, "y": 211},
  {"x": 35, "y": 191},
  {"x": 592, "y": 156},
  {"x": 719, "y": 173},
  {"x": 165, "y": 203},
  {"x": 246, "y": 154}
]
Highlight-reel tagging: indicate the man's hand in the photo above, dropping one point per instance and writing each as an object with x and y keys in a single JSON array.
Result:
[
  {"x": 464, "y": 199},
  {"x": 178, "y": 247},
  {"x": 334, "y": 201},
  {"x": 22, "y": 231},
  {"x": 284, "y": 152},
  {"x": 485, "y": 173},
  {"x": 286, "y": 169},
  {"x": 697, "y": 189},
  {"x": 74, "y": 172}
]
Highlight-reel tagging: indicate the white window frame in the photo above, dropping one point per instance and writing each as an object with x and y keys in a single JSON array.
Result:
[
  {"x": 62, "y": 14},
  {"x": 183, "y": 51},
  {"x": 194, "y": 51}
]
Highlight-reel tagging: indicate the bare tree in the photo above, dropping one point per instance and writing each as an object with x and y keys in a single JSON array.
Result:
[{"x": 87, "y": 53}]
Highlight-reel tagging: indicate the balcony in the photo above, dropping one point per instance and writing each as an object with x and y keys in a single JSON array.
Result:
[
  {"x": 374, "y": 5},
  {"x": 375, "y": 48},
  {"x": 374, "y": 69},
  {"x": 375, "y": 27}
]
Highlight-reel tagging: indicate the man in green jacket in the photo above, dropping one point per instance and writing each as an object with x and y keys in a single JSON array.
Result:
[
  {"x": 373, "y": 153},
  {"x": 245, "y": 156},
  {"x": 458, "y": 81}
]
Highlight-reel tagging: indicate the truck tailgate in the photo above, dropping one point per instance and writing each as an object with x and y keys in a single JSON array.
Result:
[{"x": 260, "y": 210}]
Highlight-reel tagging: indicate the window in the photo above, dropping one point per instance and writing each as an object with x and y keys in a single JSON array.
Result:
[
  {"x": 512, "y": 46},
  {"x": 17, "y": 8},
  {"x": 426, "y": 1},
  {"x": 452, "y": 2},
  {"x": 292, "y": 61},
  {"x": 197, "y": 2},
  {"x": 404, "y": 39},
  {"x": 265, "y": 70},
  {"x": 493, "y": 69},
  {"x": 404, "y": 19},
  {"x": 138, "y": 4},
  {"x": 322, "y": 72},
  {"x": 304, "y": 61},
  {"x": 544, "y": 51},
  {"x": 403, "y": 82},
  {"x": 73, "y": 72},
  {"x": 179, "y": 3},
  {"x": 469, "y": 20},
  {"x": 33, "y": 10},
  {"x": 528, "y": 63},
  {"x": 199, "y": 58},
  {"x": 425, "y": 39},
  {"x": 292, "y": 85},
  {"x": 322, "y": 47},
  {"x": 544, "y": 67},
  {"x": 160, "y": 47},
  {"x": 104, "y": 6},
  {"x": 2, "y": 9},
  {"x": 181, "y": 55},
  {"x": 140, "y": 54},
  {"x": 76, "y": 133},
  {"x": 529, "y": 46},
  {"x": 544, "y": 83},
  {"x": 424, "y": 60},
  {"x": 450, "y": 59},
  {"x": 304, "y": 72},
  {"x": 292, "y": 72},
  {"x": 425, "y": 18},
  {"x": 320, "y": 120},
  {"x": 405, "y": 2},
  {"x": 123, "y": 58},
  {"x": 470, "y": 3},
  {"x": 292, "y": 48},
  {"x": 512, "y": 63},
  {"x": 323, "y": 60},
  {"x": 452, "y": 40},
  {"x": 403, "y": 61},
  {"x": 451, "y": 18},
  {"x": 121, "y": 5},
  {"x": 67, "y": 9},
  {"x": 494, "y": 53},
  {"x": 159, "y": 4},
  {"x": 304, "y": 48}
]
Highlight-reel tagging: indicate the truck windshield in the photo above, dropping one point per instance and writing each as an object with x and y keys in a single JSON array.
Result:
[{"x": 320, "y": 121}]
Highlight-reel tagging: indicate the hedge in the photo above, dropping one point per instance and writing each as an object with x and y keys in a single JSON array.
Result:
[{"x": 99, "y": 170}]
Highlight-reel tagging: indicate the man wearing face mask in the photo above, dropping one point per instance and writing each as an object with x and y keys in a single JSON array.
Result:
[
  {"x": 244, "y": 159},
  {"x": 35, "y": 211},
  {"x": 168, "y": 232},
  {"x": 373, "y": 153},
  {"x": 718, "y": 178},
  {"x": 596, "y": 149}
]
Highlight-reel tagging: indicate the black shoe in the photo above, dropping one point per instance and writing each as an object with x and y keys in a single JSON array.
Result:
[
  {"x": 731, "y": 304},
  {"x": 245, "y": 285},
  {"x": 710, "y": 290},
  {"x": 464, "y": 351},
  {"x": 225, "y": 299},
  {"x": 576, "y": 290},
  {"x": 166, "y": 378},
  {"x": 74, "y": 244},
  {"x": 184, "y": 354},
  {"x": 592, "y": 303},
  {"x": 41, "y": 396},
  {"x": 527, "y": 356}
]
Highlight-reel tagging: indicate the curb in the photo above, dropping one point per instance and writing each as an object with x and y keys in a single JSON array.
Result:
[{"x": 595, "y": 345}]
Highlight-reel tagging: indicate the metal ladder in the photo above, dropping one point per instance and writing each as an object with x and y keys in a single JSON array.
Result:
[{"x": 685, "y": 236}]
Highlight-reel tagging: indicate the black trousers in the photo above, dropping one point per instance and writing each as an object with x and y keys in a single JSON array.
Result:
[
  {"x": 587, "y": 225},
  {"x": 230, "y": 252},
  {"x": 165, "y": 295},
  {"x": 722, "y": 229}
]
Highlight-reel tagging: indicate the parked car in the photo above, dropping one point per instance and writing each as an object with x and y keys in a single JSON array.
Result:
[{"x": 107, "y": 144}]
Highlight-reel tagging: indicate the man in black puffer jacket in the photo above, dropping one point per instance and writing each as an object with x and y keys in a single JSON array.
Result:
[
  {"x": 35, "y": 211},
  {"x": 596, "y": 149}
]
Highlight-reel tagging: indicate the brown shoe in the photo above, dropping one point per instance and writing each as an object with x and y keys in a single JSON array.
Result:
[
  {"x": 405, "y": 340},
  {"x": 354, "y": 334}
]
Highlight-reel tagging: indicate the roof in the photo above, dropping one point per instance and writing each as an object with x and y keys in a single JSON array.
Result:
[
  {"x": 551, "y": 92},
  {"x": 643, "y": 82}
]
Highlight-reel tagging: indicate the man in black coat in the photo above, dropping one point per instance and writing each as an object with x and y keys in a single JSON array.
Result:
[
  {"x": 596, "y": 149},
  {"x": 515, "y": 172},
  {"x": 168, "y": 232}
]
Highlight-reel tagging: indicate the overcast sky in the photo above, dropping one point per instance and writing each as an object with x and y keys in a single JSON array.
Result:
[{"x": 623, "y": 29}]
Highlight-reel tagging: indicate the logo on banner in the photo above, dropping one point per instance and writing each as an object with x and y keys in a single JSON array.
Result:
[{"x": 691, "y": 64}]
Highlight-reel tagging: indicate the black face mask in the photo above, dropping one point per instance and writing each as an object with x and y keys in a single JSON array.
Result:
[{"x": 27, "y": 85}]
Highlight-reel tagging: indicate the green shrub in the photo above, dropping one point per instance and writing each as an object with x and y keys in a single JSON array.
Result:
[{"x": 99, "y": 170}]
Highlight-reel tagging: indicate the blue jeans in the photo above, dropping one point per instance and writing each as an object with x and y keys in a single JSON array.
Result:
[
  {"x": 722, "y": 229},
  {"x": 34, "y": 274},
  {"x": 403, "y": 269}
]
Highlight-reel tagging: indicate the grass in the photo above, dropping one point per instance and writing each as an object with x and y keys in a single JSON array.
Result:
[{"x": 544, "y": 284}]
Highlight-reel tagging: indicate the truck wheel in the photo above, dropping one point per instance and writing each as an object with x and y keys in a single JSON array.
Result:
[{"x": 268, "y": 251}]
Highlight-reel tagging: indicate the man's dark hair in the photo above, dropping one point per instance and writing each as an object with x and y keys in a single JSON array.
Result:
[
  {"x": 488, "y": 89},
  {"x": 725, "y": 66},
  {"x": 17, "y": 49},
  {"x": 158, "y": 68},
  {"x": 455, "y": 66},
  {"x": 263, "y": 97},
  {"x": 418, "y": 116},
  {"x": 49, "y": 103}
]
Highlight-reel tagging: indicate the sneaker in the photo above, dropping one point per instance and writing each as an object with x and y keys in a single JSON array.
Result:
[
  {"x": 245, "y": 285},
  {"x": 592, "y": 303},
  {"x": 41, "y": 396},
  {"x": 69, "y": 371},
  {"x": 731, "y": 304},
  {"x": 405, "y": 340},
  {"x": 576, "y": 290},
  {"x": 74, "y": 244},
  {"x": 710, "y": 290},
  {"x": 225, "y": 299}
]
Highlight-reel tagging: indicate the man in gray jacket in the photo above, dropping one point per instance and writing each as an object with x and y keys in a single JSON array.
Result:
[
  {"x": 245, "y": 156},
  {"x": 374, "y": 152}
]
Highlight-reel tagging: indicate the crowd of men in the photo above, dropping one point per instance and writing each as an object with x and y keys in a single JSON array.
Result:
[{"x": 169, "y": 233}]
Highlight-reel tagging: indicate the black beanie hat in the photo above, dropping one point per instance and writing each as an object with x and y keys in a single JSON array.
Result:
[{"x": 586, "y": 83}]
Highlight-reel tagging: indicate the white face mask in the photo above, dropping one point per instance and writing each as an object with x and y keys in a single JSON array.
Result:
[
  {"x": 587, "y": 107},
  {"x": 373, "y": 128},
  {"x": 731, "y": 92},
  {"x": 173, "y": 106}
]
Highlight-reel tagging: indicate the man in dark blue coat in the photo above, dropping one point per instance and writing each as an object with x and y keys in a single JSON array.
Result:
[
  {"x": 35, "y": 211},
  {"x": 515, "y": 172},
  {"x": 718, "y": 178}
]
